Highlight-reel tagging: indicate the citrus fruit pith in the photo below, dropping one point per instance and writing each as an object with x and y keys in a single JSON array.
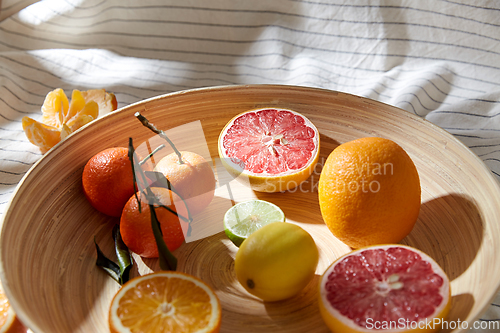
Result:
[
  {"x": 369, "y": 192},
  {"x": 277, "y": 261},
  {"x": 136, "y": 229},
  {"x": 165, "y": 301},
  {"x": 105, "y": 100},
  {"x": 107, "y": 180},
  {"x": 384, "y": 288},
  {"x": 277, "y": 149}
]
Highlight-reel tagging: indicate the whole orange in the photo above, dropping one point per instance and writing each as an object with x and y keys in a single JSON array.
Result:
[
  {"x": 369, "y": 192},
  {"x": 193, "y": 179},
  {"x": 136, "y": 229},
  {"x": 108, "y": 181}
]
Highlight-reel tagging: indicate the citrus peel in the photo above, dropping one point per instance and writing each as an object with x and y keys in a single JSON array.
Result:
[{"x": 369, "y": 192}]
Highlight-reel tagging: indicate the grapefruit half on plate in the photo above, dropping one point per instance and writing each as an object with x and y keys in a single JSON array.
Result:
[
  {"x": 384, "y": 288},
  {"x": 277, "y": 149}
]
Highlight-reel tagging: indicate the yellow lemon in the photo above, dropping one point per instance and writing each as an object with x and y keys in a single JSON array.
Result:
[{"x": 277, "y": 261}]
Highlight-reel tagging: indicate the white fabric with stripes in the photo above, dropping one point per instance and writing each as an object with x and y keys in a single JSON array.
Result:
[{"x": 438, "y": 59}]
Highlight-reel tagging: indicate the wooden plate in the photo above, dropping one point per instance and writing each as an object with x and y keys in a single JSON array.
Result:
[{"x": 47, "y": 242}]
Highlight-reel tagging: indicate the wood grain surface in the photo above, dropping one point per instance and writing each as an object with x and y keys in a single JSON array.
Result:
[{"x": 47, "y": 242}]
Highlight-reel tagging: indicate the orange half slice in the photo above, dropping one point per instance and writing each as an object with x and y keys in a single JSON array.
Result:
[{"x": 165, "y": 301}]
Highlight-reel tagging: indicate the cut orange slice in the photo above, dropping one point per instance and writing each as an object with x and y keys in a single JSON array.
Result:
[
  {"x": 165, "y": 301},
  {"x": 60, "y": 117},
  {"x": 9, "y": 323}
]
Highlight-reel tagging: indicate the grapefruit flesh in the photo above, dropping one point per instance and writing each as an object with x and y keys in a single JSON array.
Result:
[
  {"x": 276, "y": 148},
  {"x": 378, "y": 287}
]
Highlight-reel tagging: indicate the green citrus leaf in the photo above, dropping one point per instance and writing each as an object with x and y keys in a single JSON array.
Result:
[
  {"x": 125, "y": 262},
  {"x": 107, "y": 264}
]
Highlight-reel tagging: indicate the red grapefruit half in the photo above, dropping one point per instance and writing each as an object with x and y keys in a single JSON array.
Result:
[
  {"x": 384, "y": 288},
  {"x": 277, "y": 149}
]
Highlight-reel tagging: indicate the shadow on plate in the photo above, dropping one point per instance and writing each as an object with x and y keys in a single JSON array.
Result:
[
  {"x": 461, "y": 305},
  {"x": 450, "y": 230},
  {"x": 303, "y": 307}
]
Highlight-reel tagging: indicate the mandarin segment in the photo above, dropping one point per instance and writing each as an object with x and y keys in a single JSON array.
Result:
[
  {"x": 53, "y": 107},
  {"x": 77, "y": 104},
  {"x": 58, "y": 114},
  {"x": 89, "y": 112},
  {"x": 39, "y": 134}
]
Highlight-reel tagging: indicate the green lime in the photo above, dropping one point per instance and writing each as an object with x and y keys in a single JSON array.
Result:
[{"x": 246, "y": 217}]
